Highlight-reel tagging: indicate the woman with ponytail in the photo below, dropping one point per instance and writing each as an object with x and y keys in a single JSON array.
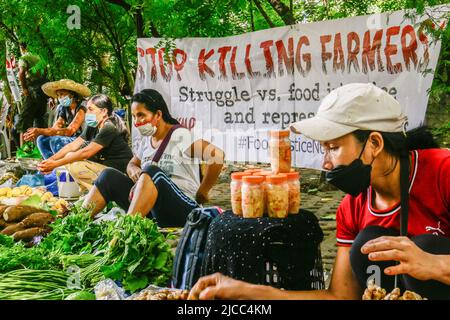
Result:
[
  {"x": 104, "y": 141},
  {"x": 394, "y": 223},
  {"x": 168, "y": 188}
]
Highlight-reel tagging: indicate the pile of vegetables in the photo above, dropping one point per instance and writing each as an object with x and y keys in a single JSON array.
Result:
[
  {"x": 130, "y": 250},
  {"x": 24, "y": 222},
  {"x": 34, "y": 197}
]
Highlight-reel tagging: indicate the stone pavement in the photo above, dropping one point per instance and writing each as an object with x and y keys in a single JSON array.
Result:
[{"x": 316, "y": 197}]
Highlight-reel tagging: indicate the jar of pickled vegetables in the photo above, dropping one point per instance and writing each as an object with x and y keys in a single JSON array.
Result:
[
  {"x": 252, "y": 197},
  {"x": 264, "y": 174},
  {"x": 294, "y": 192},
  {"x": 277, "y": 192},
  {"x": 280, "y": 151},
  {"x": 236, "y": 192}
]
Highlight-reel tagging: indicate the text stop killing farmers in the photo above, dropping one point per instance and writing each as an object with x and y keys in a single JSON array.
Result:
[{"x": 351, "y": 52}]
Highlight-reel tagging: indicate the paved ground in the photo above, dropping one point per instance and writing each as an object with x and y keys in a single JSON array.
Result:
[{"x": 316, "y": 197}]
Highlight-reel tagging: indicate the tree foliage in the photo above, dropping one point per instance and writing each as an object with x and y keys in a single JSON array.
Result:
[{"x": 102, "y": 52}]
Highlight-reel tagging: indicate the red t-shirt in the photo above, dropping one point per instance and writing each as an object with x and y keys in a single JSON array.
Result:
[{"x": 429, "y": 202}]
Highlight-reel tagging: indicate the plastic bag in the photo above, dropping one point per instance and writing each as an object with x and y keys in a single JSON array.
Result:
[
  {"x": 109, "y": 290},
  {"x": 51, "y": 183},
  {"x": 112, "y": 215},
  {"x": 28, "y": 150},
  {"x": 32, "y": 180}
]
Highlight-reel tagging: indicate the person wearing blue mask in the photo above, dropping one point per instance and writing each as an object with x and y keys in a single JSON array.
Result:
[
  {"x": 70, "y": 115},
  {"x": 103, "y": 143},
  {"x": 165, "y": 187}
]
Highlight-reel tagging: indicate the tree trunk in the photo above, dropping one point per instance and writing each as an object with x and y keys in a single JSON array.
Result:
[
  {"x": 264, "y": 14},
  {"x": 283, "y": 11}
]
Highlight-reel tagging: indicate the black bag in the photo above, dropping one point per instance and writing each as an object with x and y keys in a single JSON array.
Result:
[
  {"x": 283, "y": 253},
  {"x": 190, "y": 248}
]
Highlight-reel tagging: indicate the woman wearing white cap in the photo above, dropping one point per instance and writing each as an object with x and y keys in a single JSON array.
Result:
[
  {"x": 69, "y": 118},
  {"x": 361, "y": 129}
]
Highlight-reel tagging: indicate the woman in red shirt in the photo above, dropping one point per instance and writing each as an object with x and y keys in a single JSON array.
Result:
[{"x": 362, "y": 130}]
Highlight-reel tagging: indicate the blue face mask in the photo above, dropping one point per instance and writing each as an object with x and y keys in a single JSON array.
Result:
[
  {"x": 65, "y": 102},
  {"x": 91, "y": 120}
]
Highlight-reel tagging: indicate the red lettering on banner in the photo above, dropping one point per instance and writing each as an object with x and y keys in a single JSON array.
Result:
[
  {"x": 325, "y": 55},
  {"x": 268, "y": 56},
  {"x": 353, "y": 51},
  {"x": 234, "y": 73},
  {"x": 166, "y": 76},
  {"x": 152, "y": 53},
  {"x": 248, "y": 64},
  {"x": 223, "y": 54},
  {"x": 338, "y": 54},
  {"x": 179, "y": 65},
  {"x": 391, "y": 49},
  {"x": 284, "y": 58},
  {"x": 202, "y": 67},
  {"x": 306, "y": 57},
  {"x": 409, "y": 51},
  {"x": 141, "y": 52},
  {"x": 368, "y": 54}
]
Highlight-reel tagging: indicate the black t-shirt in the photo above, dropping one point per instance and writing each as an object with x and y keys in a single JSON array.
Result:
[
  {"x": 68, "y": 116},
  {"x": 116, "y": 152}
]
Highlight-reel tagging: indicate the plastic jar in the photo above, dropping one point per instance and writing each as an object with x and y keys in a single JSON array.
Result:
[
  {"x": 280, "y": 151},
  {"x": 294, "y": 192},
  {"x": 264, "y": 174},
  {"x": 277, "y": 191},
  {"x": 252, "y": 197},
  {"x": 236, "y": 192}
]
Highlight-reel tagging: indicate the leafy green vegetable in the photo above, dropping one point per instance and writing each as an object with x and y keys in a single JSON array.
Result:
[
  {"x": 75, "y": 234},
  {"x": 138, "y": 253},
  {"x": 6, "y": 241},
  {"x": 130, "y": 249}
]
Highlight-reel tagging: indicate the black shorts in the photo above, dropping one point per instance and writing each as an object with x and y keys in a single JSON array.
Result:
[{"x": 172, "y": 205}]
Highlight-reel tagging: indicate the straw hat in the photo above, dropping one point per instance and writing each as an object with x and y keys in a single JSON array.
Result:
[{"x": 50, "y": 88}]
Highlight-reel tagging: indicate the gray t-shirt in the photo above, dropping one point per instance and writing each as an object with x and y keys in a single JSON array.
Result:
[{"x": 182, "y": 169}]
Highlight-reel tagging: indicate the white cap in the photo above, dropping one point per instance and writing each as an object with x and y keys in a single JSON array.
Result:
[{"x": 355, "y": 106}]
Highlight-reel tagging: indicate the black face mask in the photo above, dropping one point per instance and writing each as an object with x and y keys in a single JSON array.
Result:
[{"x": 353, "y": 178}]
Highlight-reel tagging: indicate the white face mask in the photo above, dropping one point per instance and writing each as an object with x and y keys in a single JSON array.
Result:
[{"x": 146, "y": 129}]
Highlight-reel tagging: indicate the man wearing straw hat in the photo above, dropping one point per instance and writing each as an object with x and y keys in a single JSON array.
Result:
[{"x": 69, "y": 118}]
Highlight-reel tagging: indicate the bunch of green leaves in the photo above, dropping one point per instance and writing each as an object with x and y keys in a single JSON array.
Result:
[
  {"x": 17, "y": 256},
  {"x": 74, "y": 234},
  {"x": 138, "y": 253}
]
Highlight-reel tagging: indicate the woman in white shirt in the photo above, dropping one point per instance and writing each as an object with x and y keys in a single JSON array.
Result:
[{"x": 169, "y": 189}]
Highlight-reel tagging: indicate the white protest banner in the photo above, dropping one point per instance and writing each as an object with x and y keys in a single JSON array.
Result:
[
  {"x": 232, "y": 90},
  {"x": 12, "y": 71}
]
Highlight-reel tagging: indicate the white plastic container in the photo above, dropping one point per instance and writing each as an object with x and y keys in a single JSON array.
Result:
[{"x": 67, "y": 187}]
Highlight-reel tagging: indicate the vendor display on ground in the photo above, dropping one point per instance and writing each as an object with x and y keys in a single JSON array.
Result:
[{"x": 286, "y": 151}]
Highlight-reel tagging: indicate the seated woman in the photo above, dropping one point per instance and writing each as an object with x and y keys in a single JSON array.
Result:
[
  {"x": 69, "y": 117},
  {"x": 361, "y": 128},
  {"x": 104, "y": 141},
  {"x": 169, "y": 189}
]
